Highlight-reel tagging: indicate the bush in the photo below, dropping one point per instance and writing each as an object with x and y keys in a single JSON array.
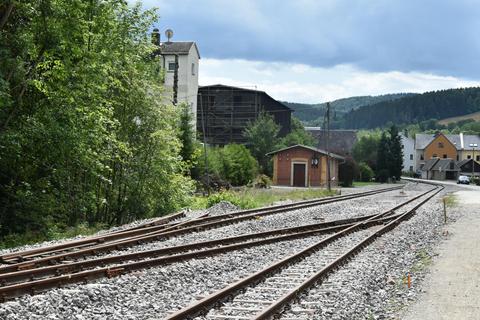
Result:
[
  {"x": 230, "y": 197},
  {"x": 233, "y": 164},
  {"x": 365, "y": 173},
  {"x": 347, "y": 171},
  {"x": 212, "y": 182},
  {"x": 262, "y": 181},
  {"x": 382, "y": 175},
  {"x": 240, "y": 167}
]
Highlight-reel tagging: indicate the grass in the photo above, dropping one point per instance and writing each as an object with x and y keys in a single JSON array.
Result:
[
  {"x": 450, "y": 200},
  {"x": 248, "y": 198},
  {"x": 362, "y": 184}
]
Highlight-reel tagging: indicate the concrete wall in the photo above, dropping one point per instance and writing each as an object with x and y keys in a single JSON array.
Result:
[
  {"x": 408, "y": 153},
  {"x": 187, "y": 81}
]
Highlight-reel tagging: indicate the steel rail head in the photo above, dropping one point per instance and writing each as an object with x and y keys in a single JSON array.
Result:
[
  {"x": 187, "y": 226},
  {"x": 215, "y": 297}
]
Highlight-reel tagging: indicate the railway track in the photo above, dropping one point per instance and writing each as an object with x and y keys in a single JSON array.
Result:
[
  {"x": 148, "y": 233},
  {"x": 24, "y": 281},
  {"x": 266, "y": 293}
]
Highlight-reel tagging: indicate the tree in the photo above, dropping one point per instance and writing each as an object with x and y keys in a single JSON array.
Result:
[
  {"x": 298, "y": 135},
  {"x": 365, "y": 173},
  {"x": 382, "y": 159},
  {"x": 395, "y": 153},
  {"x": 347, "y": 171},
  {"x": 240, "y": 167},
  {"x": 84, "y": 137},
  {"x": 365, "y": 150},
  {"x": 187, "y": 136},
  {"x": 262, "y": 138}
]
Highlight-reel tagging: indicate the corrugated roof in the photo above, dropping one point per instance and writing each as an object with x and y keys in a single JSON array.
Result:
[
  {"x": 445, "y": 165},
  {"x": 333, "y": 155},
  {"x": 471, "y": 139}
]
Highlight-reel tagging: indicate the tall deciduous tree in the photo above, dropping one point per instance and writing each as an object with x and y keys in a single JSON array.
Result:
[
  {"x": 262, "y": 137},
  {"x": 83, "y": 135}
]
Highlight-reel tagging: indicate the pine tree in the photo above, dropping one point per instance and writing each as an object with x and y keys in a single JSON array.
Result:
[
  {"x": 186, "y": 136},
  {"x": 395, "y": 153}
]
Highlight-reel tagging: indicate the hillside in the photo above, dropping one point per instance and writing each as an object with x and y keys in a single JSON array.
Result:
[
  {"x": 471, "y": 116},
  {"x": 413, "y": 109},
  {"x": 312, "y": 114}
]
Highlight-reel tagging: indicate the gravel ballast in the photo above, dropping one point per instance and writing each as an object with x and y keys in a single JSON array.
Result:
[{"x": 150, "y": 294}]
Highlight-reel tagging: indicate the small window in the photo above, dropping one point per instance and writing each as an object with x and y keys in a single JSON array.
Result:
[
  {"x": 411, "y": 168},
  {"x": 434, "y": 155},
  {"x": 411, "y": 157},
  {"x": 421, "y": 157},
  {"x": 440, "y": 145},
  {"x": 469, "y": 157},
  {"x": 171, "y": 66},
  {"x": 478, "y": 158},
  {"x": 458, "y": 157},
  {"x": 444, "y": 156},
  {"x": 193, "y": 69}
]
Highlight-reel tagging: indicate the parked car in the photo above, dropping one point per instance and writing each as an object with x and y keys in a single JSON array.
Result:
[{"x": 463, "y": 180}]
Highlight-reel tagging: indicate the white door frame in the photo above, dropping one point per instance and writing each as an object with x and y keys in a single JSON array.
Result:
[{"x": 306, "y": 170}]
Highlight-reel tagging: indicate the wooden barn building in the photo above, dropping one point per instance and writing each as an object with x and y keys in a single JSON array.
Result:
[
  {"x": 224, "y": 112},
  {"x": 302, "y": 166}
]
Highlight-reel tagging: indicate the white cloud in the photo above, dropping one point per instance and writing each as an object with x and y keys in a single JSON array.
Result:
[{"x": 303, "y": 83}]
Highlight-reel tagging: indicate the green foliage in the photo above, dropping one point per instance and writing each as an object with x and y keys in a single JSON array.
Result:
[
  {"x": 298, "y": 135},
  {"x": 365, "y": 173},
  {"x": 240, "y": 167},
  {"x": 383, "y": 158},
  {"x": 187, "y": 137},
  {"x": 423, "y": 109},
  {"x": 262, "y": 138},
  {"x": 347, "y": 171},
  {"x": 83, "y": 135},
  {"x": 262, "y": 181},
  {"x": 312, "y": 114},
  {"x": 233, "y": 163},
  {"x": 395, "y": 162},
  {"x": 365, "y": 150},
  {"x": 242, "y": 202}
]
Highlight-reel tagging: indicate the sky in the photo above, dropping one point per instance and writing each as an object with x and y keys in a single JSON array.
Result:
[{"x": 314, "y": 51}]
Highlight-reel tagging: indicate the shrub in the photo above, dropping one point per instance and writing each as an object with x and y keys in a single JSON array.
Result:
[
  {"x": 244, "y": 203},
  {"x": 262, "y": 181},
  {"x": 347, "y": 171},
  {"x": 382, "y": 175},
  {"x": 365, "y": 173},
  {"x": 212, "y": 182},
  {"x": 240, "y": 167}
]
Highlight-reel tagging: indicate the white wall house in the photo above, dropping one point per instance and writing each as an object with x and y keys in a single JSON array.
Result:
[
  {"x": 188, "y": 67},
  {"x": 408, "y": 153}
]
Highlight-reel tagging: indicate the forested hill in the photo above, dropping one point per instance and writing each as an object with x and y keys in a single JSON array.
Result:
[
  {"x": 412, "y": 109},
  {"x": 310, "y": 113}
]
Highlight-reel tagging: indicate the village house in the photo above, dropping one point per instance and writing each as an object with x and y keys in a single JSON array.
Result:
[
  {"x": 446, "y": 156},
  {"x": 408, "y": 146},
  {"x": 302, "y": 166}
]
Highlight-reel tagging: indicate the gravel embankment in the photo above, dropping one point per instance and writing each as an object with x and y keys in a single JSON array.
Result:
[
  {"x": 373, "y": 285},
  {"x": 149, "y": 294}
]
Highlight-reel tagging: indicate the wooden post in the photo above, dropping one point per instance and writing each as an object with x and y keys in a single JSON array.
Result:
[{"x": 445, "y": 209}]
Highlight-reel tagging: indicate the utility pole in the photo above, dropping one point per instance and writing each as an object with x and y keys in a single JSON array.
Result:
[
  {"x": 327, "y": 145},
  {"x": 204, "y": 143}
]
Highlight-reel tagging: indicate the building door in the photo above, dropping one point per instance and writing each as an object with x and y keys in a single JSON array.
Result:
[{"x": 299, "y": 174}]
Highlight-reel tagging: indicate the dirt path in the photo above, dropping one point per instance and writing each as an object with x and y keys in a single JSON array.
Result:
[{"x": 452, "y": 290}]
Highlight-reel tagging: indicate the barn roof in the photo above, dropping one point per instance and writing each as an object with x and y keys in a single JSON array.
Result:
[
  {"x": 333, "y": 155},
  {"x": 230, "y": 88}
]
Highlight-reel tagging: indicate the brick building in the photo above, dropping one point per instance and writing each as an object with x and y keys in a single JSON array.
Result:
[{"x": 302, "y": 166}]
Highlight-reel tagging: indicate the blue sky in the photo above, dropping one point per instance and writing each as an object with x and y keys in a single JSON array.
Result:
[{"x": 315, "y": 51}]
